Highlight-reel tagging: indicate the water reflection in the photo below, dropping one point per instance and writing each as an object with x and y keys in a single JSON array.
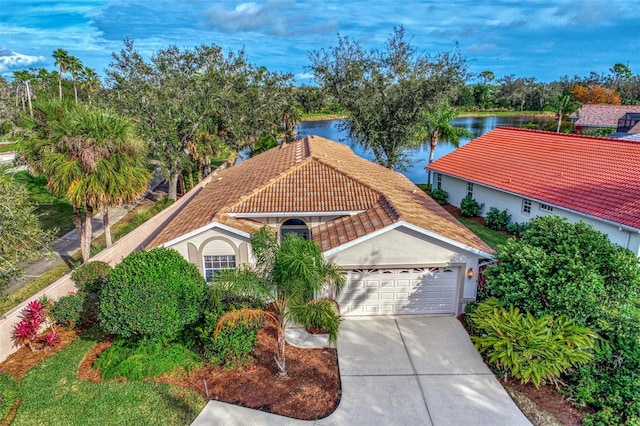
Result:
[{"x": 331, "y": 129}]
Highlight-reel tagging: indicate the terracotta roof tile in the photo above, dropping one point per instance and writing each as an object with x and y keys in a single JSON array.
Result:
[
  {"x": 316, "y": 175},
  {"x": 595, "y": 176},
  {"x": 599, "y": 115}
]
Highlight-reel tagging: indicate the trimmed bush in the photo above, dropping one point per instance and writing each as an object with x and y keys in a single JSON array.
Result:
[
  {"x": 143, "y": 360},
  {"x": 440, "y": 196},
  {"x": 497, "y": 220},
  {"x": 530, "y": 349},
  {"x": 152, "y": 295},
  {"x": 470, "y": 207},
  {"x": 91, "y": 276},
  {"x": 67, "y": 311}
]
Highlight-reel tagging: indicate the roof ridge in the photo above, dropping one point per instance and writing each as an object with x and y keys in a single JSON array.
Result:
[
  {"x": 548, "y": 132},
  {"x": 299, "y": 163}
]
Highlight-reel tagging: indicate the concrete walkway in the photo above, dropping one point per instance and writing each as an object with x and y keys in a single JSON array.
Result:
[{"x": 406, "y": 370}]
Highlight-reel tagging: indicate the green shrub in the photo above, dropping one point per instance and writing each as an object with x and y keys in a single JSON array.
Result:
[
  {"x": 9, "y": 394},
  {"x": 562, "y": 268},
  {"x": 67, "y": 311},
  {"x": 528, "y": 348},
  {"x": 517, "y": 229},
  {"x": 143, "y": 360},
  {"x": 440, "y": 196},
  {"x": 497, "y": 220},
  {"x": 91, "y": 276},
  {"x": 152, "y": 295},
  {"x": 470, "y": 207},
  {"x": 234, "y": 345}
]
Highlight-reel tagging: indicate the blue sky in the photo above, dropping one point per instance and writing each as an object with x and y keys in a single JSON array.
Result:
[{"x": 535, "y": 38}]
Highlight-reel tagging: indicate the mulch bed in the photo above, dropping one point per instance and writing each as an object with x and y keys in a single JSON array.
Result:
[{"x": 311, "y": 389}]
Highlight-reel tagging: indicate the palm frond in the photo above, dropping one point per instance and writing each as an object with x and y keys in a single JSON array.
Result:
[
  {"x": 318, "y": 313},
  {"x": 251, "y": 317}
]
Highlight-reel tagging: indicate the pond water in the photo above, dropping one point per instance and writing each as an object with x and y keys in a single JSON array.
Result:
[{"x": 330, "y": 129}]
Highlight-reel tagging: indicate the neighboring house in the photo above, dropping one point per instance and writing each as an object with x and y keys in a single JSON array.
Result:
[
  {"x": 533, "y": 173},
  {"x": 594, "y": 116},
  {"x": 401, "y": 252}
]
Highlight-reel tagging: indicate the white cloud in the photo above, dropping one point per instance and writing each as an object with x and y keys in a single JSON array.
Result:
[{"x": 10, "y": 60}]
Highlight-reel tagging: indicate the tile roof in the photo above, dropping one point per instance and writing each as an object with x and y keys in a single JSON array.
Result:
[
  {"x": 595, "y": 176},
  {"x": 600, "y": 115},
  {"x": 316, "y": 175}
]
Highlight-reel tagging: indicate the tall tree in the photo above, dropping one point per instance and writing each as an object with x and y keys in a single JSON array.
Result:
[
  {"x": 180, "y": 96},
  {"x": 21, "y": 237},
  {"x": 88, "y": 155},
  {"x": 562, "y": 105},
  {"x": 286, "y": 276},
  {"x": 61, "y": 57},
  {"x": 436, "y": 127},
  {"x": 74, "y": 67},
  {"x": 386, "y": 91}
]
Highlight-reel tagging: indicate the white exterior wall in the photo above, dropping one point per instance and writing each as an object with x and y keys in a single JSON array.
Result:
[
  {"x": 402, "y": 247},
  {"x": 457, "y": 189}
]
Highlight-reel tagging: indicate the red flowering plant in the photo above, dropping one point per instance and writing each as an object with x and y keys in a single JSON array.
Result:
[{"x": 27, "y": 331}]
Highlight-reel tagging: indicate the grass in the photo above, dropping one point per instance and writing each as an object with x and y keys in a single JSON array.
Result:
[
  {"x": 127, "y": 224},
  {"x": 53, "y": 393},
  {"x": 53, "y": 212},
  {"x": 7, "y": 147},
  {"x": 489, "y": 236}
]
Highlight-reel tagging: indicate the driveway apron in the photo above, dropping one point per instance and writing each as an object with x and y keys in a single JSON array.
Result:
[
  {"x": 405, "y": 370},
  {"x": 416, "y": 370}
]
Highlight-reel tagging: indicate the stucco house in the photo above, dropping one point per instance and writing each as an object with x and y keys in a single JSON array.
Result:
[
  {"x": 595, "y": 116},
  {"x": 401, "y": 252},
  {"x": 533, "y": 173}
]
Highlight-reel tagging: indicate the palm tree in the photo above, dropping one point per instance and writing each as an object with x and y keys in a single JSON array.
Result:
[
  {"x": 89, "y": 81},
  {"x": 287, "y": 275},
  {"x": 562, "y": 105},
  {"x": 436, "y": 127},
  {"x": 98, "y": 163},
  {"x": 74, "y": 67},
  {"x": 89, "y": 156},
  {"x": 61, "y": 57}
]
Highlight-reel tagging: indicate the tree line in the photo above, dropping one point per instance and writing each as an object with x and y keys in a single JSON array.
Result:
[{"x": 184, "y": 110}]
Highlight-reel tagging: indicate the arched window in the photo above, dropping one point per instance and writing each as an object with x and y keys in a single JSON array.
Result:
[
  {"x": 295, "y": 226},
  {"x": 217, "y": 255}
]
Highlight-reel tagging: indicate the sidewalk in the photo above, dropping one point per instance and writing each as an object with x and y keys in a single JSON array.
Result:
[
  {"x": 68, "y": 244},
  {"x": 62, "y": 250}
]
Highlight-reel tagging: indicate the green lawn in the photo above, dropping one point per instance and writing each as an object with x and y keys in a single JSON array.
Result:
[
  {"x": 7, "y": 147},
  {"x": 53, "y": 212},
  {"x": 489, "y": 236},
  {"x": 52, "y": 393}
]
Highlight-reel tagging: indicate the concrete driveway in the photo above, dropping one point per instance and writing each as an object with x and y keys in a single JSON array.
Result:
[{"x": 405, "y": 370}]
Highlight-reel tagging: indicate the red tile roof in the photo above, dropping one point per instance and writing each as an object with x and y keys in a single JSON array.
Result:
[
  {"x": 599, "y": 115},
  {"x": 316, "y": 175},
  {"x": 596, "y": 176}
]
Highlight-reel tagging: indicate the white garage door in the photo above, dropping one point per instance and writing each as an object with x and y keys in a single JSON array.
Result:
[{"x": 400, "y": 291}]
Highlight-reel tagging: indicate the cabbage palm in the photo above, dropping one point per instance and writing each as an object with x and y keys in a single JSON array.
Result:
[
  {"x": 74, "y": 67},
  {"x": 61, "y": 57},
  {"x": 97, "y": 163},
  {"x": 562, "y": 105},
  {"x": 287, "y": 275}
]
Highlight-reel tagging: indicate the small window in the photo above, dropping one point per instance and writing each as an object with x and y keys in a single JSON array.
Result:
[
  {"x": 214, "y": 264},
  {"x": 295, "y": 226},
  {"x": 439, "y": 180},
  {"x": 470, "y": 189},
  {"x": 546, "y": 207},
  {"x": 526, "y": 206}
]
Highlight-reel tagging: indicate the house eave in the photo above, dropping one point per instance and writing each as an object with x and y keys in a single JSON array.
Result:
[
  {"x": 202, "y": 229},
  {"x": 622, "y": 226},
  {"x": 413, "y": 228}
]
